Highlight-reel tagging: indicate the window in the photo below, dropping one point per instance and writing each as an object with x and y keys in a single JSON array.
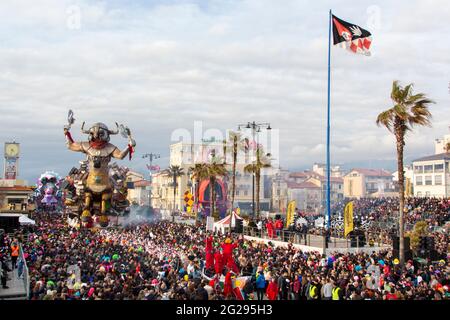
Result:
[
  {"x": 418, "y": 169},
  {"x": 419, "y": 181},
  {"x": 428, "y": 168},
  {"x": 245, "y": 193},
  {"x": 428, "y": 180},
  {"x": 438, "y": 168},
  {"x": 438, "y": 180}
]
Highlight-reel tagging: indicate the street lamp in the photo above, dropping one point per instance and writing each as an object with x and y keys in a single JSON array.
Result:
[
  {"x": 151, "y": 156},
  {"x": 256, "y": 128}
]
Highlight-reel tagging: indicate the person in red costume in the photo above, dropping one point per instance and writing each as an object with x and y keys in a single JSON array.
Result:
[
  {"x": 228, "y": 287},
  {"x": 209, "y": 253},
  {"x": 227, "y": 254},
  {"x": 269, "y": 227},
  {"x": 272, "y": 290},
  {"x": 218, "y": 262},
  {"x": 278, "y": 227}
]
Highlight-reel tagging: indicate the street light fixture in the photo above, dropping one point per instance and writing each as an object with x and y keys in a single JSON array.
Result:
[
  {"x": 256, "y": 128},
  {"x": 151, "y": 156}
]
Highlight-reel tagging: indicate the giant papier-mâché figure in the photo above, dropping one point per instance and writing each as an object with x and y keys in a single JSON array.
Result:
[
  {"x": 48, "y": 195},
  {"x": 99, "y": 151}
]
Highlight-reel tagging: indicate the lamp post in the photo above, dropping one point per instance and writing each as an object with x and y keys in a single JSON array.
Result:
[
  {"x": 256, "y": 128},
  {"x": 151, "y": 156}
]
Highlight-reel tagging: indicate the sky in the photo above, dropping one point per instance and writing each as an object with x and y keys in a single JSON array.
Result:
[{"x": 158, "y": 66}]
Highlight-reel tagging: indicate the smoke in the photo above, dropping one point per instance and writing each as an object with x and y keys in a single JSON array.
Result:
[{"x": 138, "y": 215}]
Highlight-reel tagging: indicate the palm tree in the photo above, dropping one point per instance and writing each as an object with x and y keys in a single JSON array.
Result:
[
  {"x": 262, "y": 161},
  {"x": 237, "y": 142},
  {"x": 409, "y": 110},
  {"x": 214, "y": 169},
  {"x": 199, "y": 173},
  {"x": 174, "y": 172}
]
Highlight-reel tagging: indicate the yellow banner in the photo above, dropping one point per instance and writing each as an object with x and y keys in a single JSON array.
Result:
[
  {"x": 290, "y": 213},
  {"x": 348, "y": 218}
]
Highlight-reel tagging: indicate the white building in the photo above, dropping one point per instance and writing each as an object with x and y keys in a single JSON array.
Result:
[
  {"x": 432, "y": 176},
  {"x": 441, "y": 145},
  {"x": 321, "y": 169},
  {"x": 187, "y": 154},
  {"x": 137, "y": 188}
]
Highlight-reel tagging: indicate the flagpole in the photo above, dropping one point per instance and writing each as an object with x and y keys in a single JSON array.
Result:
[{"x": 328, "y": 125}]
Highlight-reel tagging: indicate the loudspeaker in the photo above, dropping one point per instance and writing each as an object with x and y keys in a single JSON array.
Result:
[
  {"x": 396, "y": 247},
  {"x": 427, "y": 248},
  {"x": 239, "y": 227}
]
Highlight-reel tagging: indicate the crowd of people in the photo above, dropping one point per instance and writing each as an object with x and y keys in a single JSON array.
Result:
[
  {"x": 377, "y": 218},
  {"x": 435, "y": 211},
  {"x": 164, "y": 261}
]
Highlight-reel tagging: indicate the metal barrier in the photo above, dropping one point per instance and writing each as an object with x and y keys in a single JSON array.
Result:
[
  {"x": 25, "y": 273},
  {"x": 312, "y": 240}
]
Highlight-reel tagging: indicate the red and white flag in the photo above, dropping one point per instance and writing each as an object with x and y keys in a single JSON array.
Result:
[{"x": 351, "y": 37}]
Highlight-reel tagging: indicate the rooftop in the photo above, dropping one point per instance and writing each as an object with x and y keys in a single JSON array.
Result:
[
  {"x": 303, "y": 185},
  {"x": 373, "y": 172},
  {"x": 142, "y": 183},
  {"x": 439, "y": 156},
  {"x": 16, "y": 188}
]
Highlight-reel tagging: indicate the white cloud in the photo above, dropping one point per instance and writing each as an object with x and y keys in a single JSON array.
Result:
[{"x": 160, "y": 67}]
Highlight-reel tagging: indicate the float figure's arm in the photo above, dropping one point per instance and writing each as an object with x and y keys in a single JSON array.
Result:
[
  {"x": 72, "y": 145},
  {"x": 128, "y": 150},
  {"x": 120, "y": 154}
]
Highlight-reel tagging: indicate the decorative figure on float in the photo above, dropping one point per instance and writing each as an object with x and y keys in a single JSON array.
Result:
[
  {"x": 48, "y": 194},
  {"x": 99, "y": 153}
]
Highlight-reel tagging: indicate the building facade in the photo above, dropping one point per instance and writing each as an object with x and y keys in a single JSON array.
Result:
[
  {"x": 14, "y": 195},
  {"x": 307, "y": 188},
  {"x": 138, "y": 192},
  {"x": 432, "y": 176},
  {"x": 359, "y": 183},
  {"x": 186, "y": 155}
]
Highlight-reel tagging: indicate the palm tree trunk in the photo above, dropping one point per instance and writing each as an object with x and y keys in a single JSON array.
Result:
[
  {"x": 401, "y": 184},
  {"x": 258, "y": 179},
  {"x": 174, "y": 197},
  {"x": 214, "y": 198},
  {"x": 211, "y": 196},
  {"x": 197, "y": 194},
  {"x": 233, "y": 184}
]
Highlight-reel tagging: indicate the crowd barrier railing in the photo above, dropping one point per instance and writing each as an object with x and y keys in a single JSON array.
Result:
[
  {"x": 26, "y": 274},
  {"x": 313, "y": 240}
]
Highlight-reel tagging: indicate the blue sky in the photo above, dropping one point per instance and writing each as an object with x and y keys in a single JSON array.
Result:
[{"x": 158, "y": 66}]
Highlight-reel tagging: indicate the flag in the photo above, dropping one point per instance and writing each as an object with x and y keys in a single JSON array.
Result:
[
  {"x": 238, "y": 285},
  {"x": 290, "y": 213},
  {"x": 348, "y": 218},
  {"x": 153, "y": 168},
  {"x": 351, "y": 37}
]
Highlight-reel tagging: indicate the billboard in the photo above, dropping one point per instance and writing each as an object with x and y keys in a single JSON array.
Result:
[{"x": 11, "y": 168}]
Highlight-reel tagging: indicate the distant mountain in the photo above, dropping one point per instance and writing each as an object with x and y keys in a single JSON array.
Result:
[{"x": 389, "y": 165}]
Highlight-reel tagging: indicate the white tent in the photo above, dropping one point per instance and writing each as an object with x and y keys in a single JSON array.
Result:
[
  {"x": 24, "y": 220},
  {"x": 227, "y": 223}
]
